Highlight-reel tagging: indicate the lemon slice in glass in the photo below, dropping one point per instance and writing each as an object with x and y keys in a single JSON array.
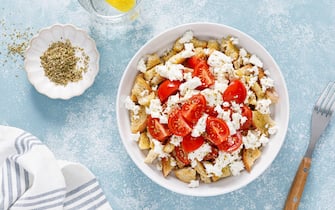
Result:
[{"x": 122, "y": 5}]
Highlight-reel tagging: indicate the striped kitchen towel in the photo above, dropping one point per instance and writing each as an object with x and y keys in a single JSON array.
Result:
[{"x": 31, "y": 177}]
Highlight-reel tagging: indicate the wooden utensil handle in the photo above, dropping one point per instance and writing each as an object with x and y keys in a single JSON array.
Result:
[{"x": 297, "y": 187}]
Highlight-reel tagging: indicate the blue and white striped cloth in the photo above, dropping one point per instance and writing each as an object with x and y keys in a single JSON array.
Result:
[{"x": 31, "y": 177}]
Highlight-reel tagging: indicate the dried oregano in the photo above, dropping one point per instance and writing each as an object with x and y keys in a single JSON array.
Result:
[{"x": 63, "y": 63}]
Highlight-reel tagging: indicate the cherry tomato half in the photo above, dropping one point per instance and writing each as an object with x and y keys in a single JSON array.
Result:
[
  {"x": 217, "y": 130},
  {"x": 167, "y": 88},
  {"x": 202, "y": 71},
  {"x": 246, "y": 112},
  {"x": 190, "y": 143},
  {"x": 193, "y": 108},
  {"x": 232, "y": 143},
  {"x": 181, "y": 155},
  {"x": 235, "y": 91},
  {"x": 193, "y": 61},
  {"x": 157, "y": 130},
  {"x": 177, "y": 124}
]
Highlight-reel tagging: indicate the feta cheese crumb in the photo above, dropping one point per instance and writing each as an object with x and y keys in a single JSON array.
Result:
[
  {"x": 273, "y": 130},
  {"x": 158, "y": 149},
  {"x": 200, "y": 127},
  {"x": 176, "y": 140},
  {"x": 141, "y": 65},
  {"x": 193, "y": 184},
  {"x": 252, "y": 140},
  {"x": 155, "y": 108},
  {"x": 199, "y": 154},
  {"x": 256, "y": 61},
  {"x": 187, "y": 37},
  {"x": 218, "y": 59},
  {"x": 266, "y": 83},
  {"x": 263, "y": 106},
  {"x": 190, "y": 84},
  {"x": 135, "y": 136},
  {"x": 130, "y": 105},
  {"x": 171, "y": 71},
  {"x": 236, "y": 167}
]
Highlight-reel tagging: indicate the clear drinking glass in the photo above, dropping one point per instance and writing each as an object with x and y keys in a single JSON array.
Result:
[{"x": 103, "y": 12}]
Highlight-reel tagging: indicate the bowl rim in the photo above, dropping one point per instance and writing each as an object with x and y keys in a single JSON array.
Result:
[
  {"x": 163, "y": 182},
  {"x": 95, "y": 68}
]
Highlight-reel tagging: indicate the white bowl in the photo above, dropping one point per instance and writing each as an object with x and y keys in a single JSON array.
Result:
[
  {"x": 280, "y": 112},
  {"x": 41, "y": 42}
]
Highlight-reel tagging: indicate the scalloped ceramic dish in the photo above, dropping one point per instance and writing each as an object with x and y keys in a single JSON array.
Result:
[
  {"x": 280, "y": 110},
  {"x": 40, "y": 43}
]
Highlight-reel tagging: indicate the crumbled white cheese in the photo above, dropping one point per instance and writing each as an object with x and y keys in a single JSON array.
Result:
[
  {"x": 130, "y": 105},
  {"x": 176, "y": 140},
  {"x": 213, "y": 97},
  {"x": 158, "y": 149},
  {"x": 190, "y": 84},
  {"x": 272, "y": 130},
  {"x": 236, "y": 120},
  {"x": 193, "y": 184},
  {"x": 199, "y": 154},
  {"x": 256, "y": 61},
  {"x": 188, "y": 50},
  {"x": 251, "y": 140},
  {"x": 171, "y": 71},
  {"x": 263, "y": 106},
  {"x": 243, "y": 52},
  {"x": 221, "y": 161},
  {"x": 187, "y": 37},
  {"x": 200, "y": 126},
  {"x": 155, "y": 108},
  {"x": 236, "y": 167},
  {"x": 263, "y": 140},
  {"x": 234, "y": 40},
  {"x": 266, "y": 83},
  {"x": 141, "y": 65},
  {"x": 218, "y": 59},
  {"x": 135, "y": 136}
]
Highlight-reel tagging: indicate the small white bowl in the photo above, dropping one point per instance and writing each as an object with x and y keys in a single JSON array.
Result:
[
  {"x": 280, "y": 111},
  {"x": 41, "y": 42}
]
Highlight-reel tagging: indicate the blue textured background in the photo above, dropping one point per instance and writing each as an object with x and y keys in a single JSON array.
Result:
[{"x": 298, "y": 34}]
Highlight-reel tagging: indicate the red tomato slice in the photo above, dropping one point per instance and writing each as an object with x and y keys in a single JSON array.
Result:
[
  {"x": 190, "y": 143},
  {"x": 193, "y": 108},
  {"x": 157, "y": 130},
  {"x": 202, "y": 71},
  {"x": 177, "y": 124},
  {"x": 217, "y": 130},
  {"x": 232, "y": 143},
  {"x": 167, "y": 88},
  {"x": 193, "y": 61},
  {"x": 246, "y": 112},
  {"x": 182, "y": 155},
  {"x": 235, "y": 92}
]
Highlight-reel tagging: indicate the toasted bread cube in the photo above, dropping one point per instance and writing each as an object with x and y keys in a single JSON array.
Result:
[
  {"x": 153, "y": 77},
  {"x": 200, "y": 169},
  {"x": 140, "y": 87},
  {"x": 186, "y": 174},
  {"x": 151, "y": 156},
  {"x": 249, "y": 156},
  {"x": 198, "y": 43},
  {"x": 138, "y": 123},
  {"x": 168, "y": 148},
  {"x": 225, "y": 173},
  {"x": 153, "y": 60},
  {"x": 144, "y": 141},
  {"x": 166, "y": 166},
  {"x": 168, "y": 55},
  {"x": 178, "y": 46},
  {"x": 262, "y": 122},
  {"x": 213, "y": 44}
]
